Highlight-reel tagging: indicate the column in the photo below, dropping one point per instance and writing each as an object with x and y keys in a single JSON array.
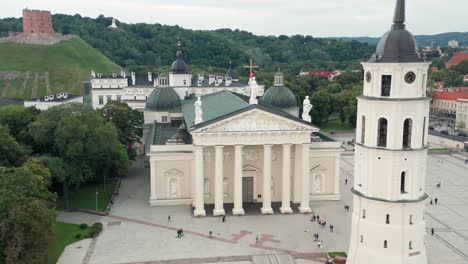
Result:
[
  {"x": 305, "y": 207},
  {"x": 153, "y": 179},
  {"x": 238, "y": 210},
  {"x": 219, "y": 167},
  {"x": 266, "y": 209},
  {"x": 199, "y": 178},
  {"x": 286, "y": 183},
  {"x": 337, "y": 174}
]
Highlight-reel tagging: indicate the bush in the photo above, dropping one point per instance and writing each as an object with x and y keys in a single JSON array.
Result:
[
  {"x": 78, "y": 236},
  {"x": 83, "y": 226},
  {"x": 96, "y": 228}
]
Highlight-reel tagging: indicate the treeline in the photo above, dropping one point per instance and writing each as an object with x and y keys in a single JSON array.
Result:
[{"x": 45, "y": 154}]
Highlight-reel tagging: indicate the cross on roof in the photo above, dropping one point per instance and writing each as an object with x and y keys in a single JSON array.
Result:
[{"x": 250, "y": 67}]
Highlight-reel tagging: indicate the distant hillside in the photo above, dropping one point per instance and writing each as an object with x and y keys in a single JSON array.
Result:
[
  {"x": 423, "y": 40},
  {"x": 28, "y": 71}
]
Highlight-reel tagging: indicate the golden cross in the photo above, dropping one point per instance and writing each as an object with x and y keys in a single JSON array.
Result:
[{"x": 250, "y": 67}]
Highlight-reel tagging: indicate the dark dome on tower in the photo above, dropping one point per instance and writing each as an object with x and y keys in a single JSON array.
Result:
[
  {"x": 162, "y": 99},
  {"x": 179, "y": 65},
  {"x": 397, "y": 44},
  {"x": 279, "y": 95}
]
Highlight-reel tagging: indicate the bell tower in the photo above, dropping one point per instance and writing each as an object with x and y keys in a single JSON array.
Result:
[{"x": 388, "y": 225}]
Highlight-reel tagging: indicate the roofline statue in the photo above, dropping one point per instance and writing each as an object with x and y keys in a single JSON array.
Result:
[
  {"x": 306, "y": 107},
  {"x": 198, "y": 111}
]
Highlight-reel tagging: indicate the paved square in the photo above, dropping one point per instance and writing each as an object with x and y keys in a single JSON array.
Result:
[{"x": 134, "y": 232}]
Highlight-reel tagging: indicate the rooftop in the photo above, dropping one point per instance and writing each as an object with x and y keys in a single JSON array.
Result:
[
  {"x": 457, "y": 58},
  {"x": 449, "y": 95},
  {"x": 60, "y": 97}
]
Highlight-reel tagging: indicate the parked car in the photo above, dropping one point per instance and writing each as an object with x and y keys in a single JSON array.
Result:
[
  {"x": 431, "y": 128},
  {"x": 462, "y": 134},
  {"x": 445, "y": 132}
]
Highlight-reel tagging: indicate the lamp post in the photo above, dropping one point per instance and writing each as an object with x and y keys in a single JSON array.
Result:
[{"x": 97, "y": 193}]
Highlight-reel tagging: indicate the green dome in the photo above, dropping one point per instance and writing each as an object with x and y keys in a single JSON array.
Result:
[
  {"x": 279, "y": 96},
  {"x": 162, "y": 99}
]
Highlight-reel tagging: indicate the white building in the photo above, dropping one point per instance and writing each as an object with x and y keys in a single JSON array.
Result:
[
  {"x": 388, "y": 225},
  {"x": 462, "y": 115},
  {"x": 45, "y": 102},
  {"x": 453, "y": 43},
  {"x": 224, "y": 149},
  {"x": 134, "y": 90}
]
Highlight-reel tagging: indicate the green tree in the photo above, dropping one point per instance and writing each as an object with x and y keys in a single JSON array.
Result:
[
  {"x": 26, "y": 220},
  {"x": 129, "y": 124},
  {"x": 17, "y": 118},
  {"x": 462, "y": 67},
  {"x": 321, "y": 100},
  {"x": 11, "y": 152}
]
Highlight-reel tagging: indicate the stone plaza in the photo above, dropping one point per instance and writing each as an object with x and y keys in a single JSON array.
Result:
[{"x": 134, "y": 232}]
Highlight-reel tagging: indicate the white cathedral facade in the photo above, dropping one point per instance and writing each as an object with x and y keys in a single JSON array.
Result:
[
  {"x": 220, "y": 150},
  {"x": 388, "y": 224}
]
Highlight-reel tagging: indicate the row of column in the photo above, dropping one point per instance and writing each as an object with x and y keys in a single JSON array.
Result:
[{"x": 266, "y": 195}]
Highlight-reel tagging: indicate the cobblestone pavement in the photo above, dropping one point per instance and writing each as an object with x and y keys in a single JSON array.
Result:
[{"x": 134, "y": 232}]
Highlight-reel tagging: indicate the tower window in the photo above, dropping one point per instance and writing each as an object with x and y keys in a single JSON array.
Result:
[
  {"x": 385, "y": 244},
  {"x": 382, "y": 133},
  {"x": 402, "y": 182},
  {"x": 363, "y": 129},
  {"x": 364, "y": 213},
  {"x": 407, "y": 127},
  {"x": 386, "y": 85},
  {"x": 362, "y": 239},
  {"x": 387, "y": 219},
  {"x": 410, "y": 245},
  {"x": 410, "y": 219}
]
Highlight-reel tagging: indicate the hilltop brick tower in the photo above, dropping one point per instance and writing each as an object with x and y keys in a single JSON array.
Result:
[
  {"x": 388, "y": 225},
  {"x": 37, "y": 22}
]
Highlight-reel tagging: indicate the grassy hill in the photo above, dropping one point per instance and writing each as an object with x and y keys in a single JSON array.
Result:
[{"x": 28, "y": 71}]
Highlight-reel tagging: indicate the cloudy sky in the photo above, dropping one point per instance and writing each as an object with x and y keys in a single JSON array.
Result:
[{"x": 321, "y": 18}]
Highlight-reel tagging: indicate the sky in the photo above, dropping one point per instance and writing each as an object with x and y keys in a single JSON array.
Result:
[{"x": 319, "y": 18}]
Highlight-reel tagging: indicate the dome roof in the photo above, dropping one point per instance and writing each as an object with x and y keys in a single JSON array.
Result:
[
  {"x": 397, "y": 44},
  {"x": 280, "y": 96},
  {"x": 162, "y": 99},
  {"x": 179, "y": 65}
]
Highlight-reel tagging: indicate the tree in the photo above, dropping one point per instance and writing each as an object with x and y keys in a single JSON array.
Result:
[
  {"x": 321, "y": 100},
  {"x": 26, "y": 220},
  {"x": 129, "y": 124},
  {"x": 462, "y": 67},
  {"x": 17, "y": 118},
  {"x": 11, "y": 152}
]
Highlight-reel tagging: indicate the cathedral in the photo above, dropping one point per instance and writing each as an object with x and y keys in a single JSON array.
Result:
[{"x": 219, "y": 147}]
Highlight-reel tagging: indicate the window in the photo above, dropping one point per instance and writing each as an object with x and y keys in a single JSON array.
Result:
[
  {"x": 410, "y": 245},
  {"x": 363, "y": 129},
  {"x": 386, "y": 85},
  {"x": 385, "y": 244},
  {"x": 185, "y": 82},
  {"x": 164, "y": 119},
  {"x": 402, "y": 182},
  {"x": 410, "y": 219},
  {"x": 407, "y": 127},
  {"x": 382, "y": 133},
  {"x": 424, "y": 131},
  {"x": 101, "y": 100},
  {"x": 387, "y": 219},
  {"x": 362, "y": 239},
  {"x": 364, "y": 213},
  {"x": 109, "y": 98},
  {"x": 119, "y": 98}
]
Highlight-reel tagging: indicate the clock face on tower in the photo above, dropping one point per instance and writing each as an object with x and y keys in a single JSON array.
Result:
[
  {"x": 410, "y": 77},
  {"x": 368, "y": 77}
]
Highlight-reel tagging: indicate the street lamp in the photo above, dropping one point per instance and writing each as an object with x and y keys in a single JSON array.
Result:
[{"x": 97, "y": 193}]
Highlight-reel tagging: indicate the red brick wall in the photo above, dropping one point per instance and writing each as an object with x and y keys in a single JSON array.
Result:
[{"x": 37, "y": 22}]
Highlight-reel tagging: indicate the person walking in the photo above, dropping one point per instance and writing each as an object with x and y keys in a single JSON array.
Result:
[
  {"x": 211, "y": 234},
  {"x": 331, "y": 228},
  {"x": 432, "y": 231},
  {"x": 224, "y": 218},
  {"x": 169, "y": 219},
  {"x": 256, "y": 239},
  {"x": 318, "y": 217},
  {"x": 435, "y": 200},
  {"x": 430, "y": 202},
  {"x": 346, "y": 181}
]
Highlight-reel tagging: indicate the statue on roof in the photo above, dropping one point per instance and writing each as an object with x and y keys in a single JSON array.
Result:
[
  {"x": 253, "y": 90},
  {"x": 198, "y": 111},
  {"x": 306, "y": 107}
]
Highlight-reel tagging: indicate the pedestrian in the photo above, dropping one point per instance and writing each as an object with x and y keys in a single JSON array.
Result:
[
  {"x": 430, "y": 202},
  {"x": 346, "y": 181},
  {"x": 256, "y": 239},
  {"x": 466, "y": 161},
  {"x": 314, "y": 217},
  {"x": 435, "y": 200},
  {"x": 224, "y": 218},
  {"x": 318, "y": 217},
  {"x": 179, "y": 233},
  {"x": 432, "y": 231},
  {"x": 331, "y": 228},
  {"x": 169, "y": 219},
  {"x": 211, "y": 234}
]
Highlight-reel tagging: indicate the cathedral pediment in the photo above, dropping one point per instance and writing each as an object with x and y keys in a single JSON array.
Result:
[{"x": 257, "y": 120}]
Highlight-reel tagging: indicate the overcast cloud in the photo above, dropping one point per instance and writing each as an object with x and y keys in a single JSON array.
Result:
[{"x": 321, "y": 18}]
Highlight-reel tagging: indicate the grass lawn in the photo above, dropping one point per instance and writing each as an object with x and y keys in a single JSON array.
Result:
[
  {"x": 334, "y": 254},
  {"x": 85, "y": 196},
  {"x": 335, "y": 125},
  {"x": 64, "y": 234}
]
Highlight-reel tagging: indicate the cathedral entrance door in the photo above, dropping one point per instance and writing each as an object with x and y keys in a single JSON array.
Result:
[{"x": 247, "y": 189}]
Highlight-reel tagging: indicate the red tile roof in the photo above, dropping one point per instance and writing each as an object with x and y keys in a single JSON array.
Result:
[
  {"x": 322, "y": 73},
  {"x": 449, "y": 95},
  {"x": 456, "y": 59}
]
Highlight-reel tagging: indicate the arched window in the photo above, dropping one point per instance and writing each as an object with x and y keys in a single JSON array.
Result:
[
  {"x": 387, "y": 219},
  {"x": 382, "y": 133},
  {"x": 363, "y": 129},
  {"x": 407, "y": 127},
  {"x": 403, "y": 182},
  {"x": 173, "y": 188},
  {"x": 385, "y": 244}
]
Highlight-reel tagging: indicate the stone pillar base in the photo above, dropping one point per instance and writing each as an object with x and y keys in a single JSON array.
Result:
[
  {"x": 199, "y": 212},
  {"x": 219, "y": 212},
  {"x": 305, "y": 210},
  {"x": 266, "y": 210},
  {"x": 238, "y": 211},
  {"x": 286, "y": 210}
]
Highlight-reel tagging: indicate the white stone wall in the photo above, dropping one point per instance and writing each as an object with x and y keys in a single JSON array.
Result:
[
  {"x": 180, "y": 79},
  {"x": 43, "y": 105},
  {"x": 113, "y": 93}
]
